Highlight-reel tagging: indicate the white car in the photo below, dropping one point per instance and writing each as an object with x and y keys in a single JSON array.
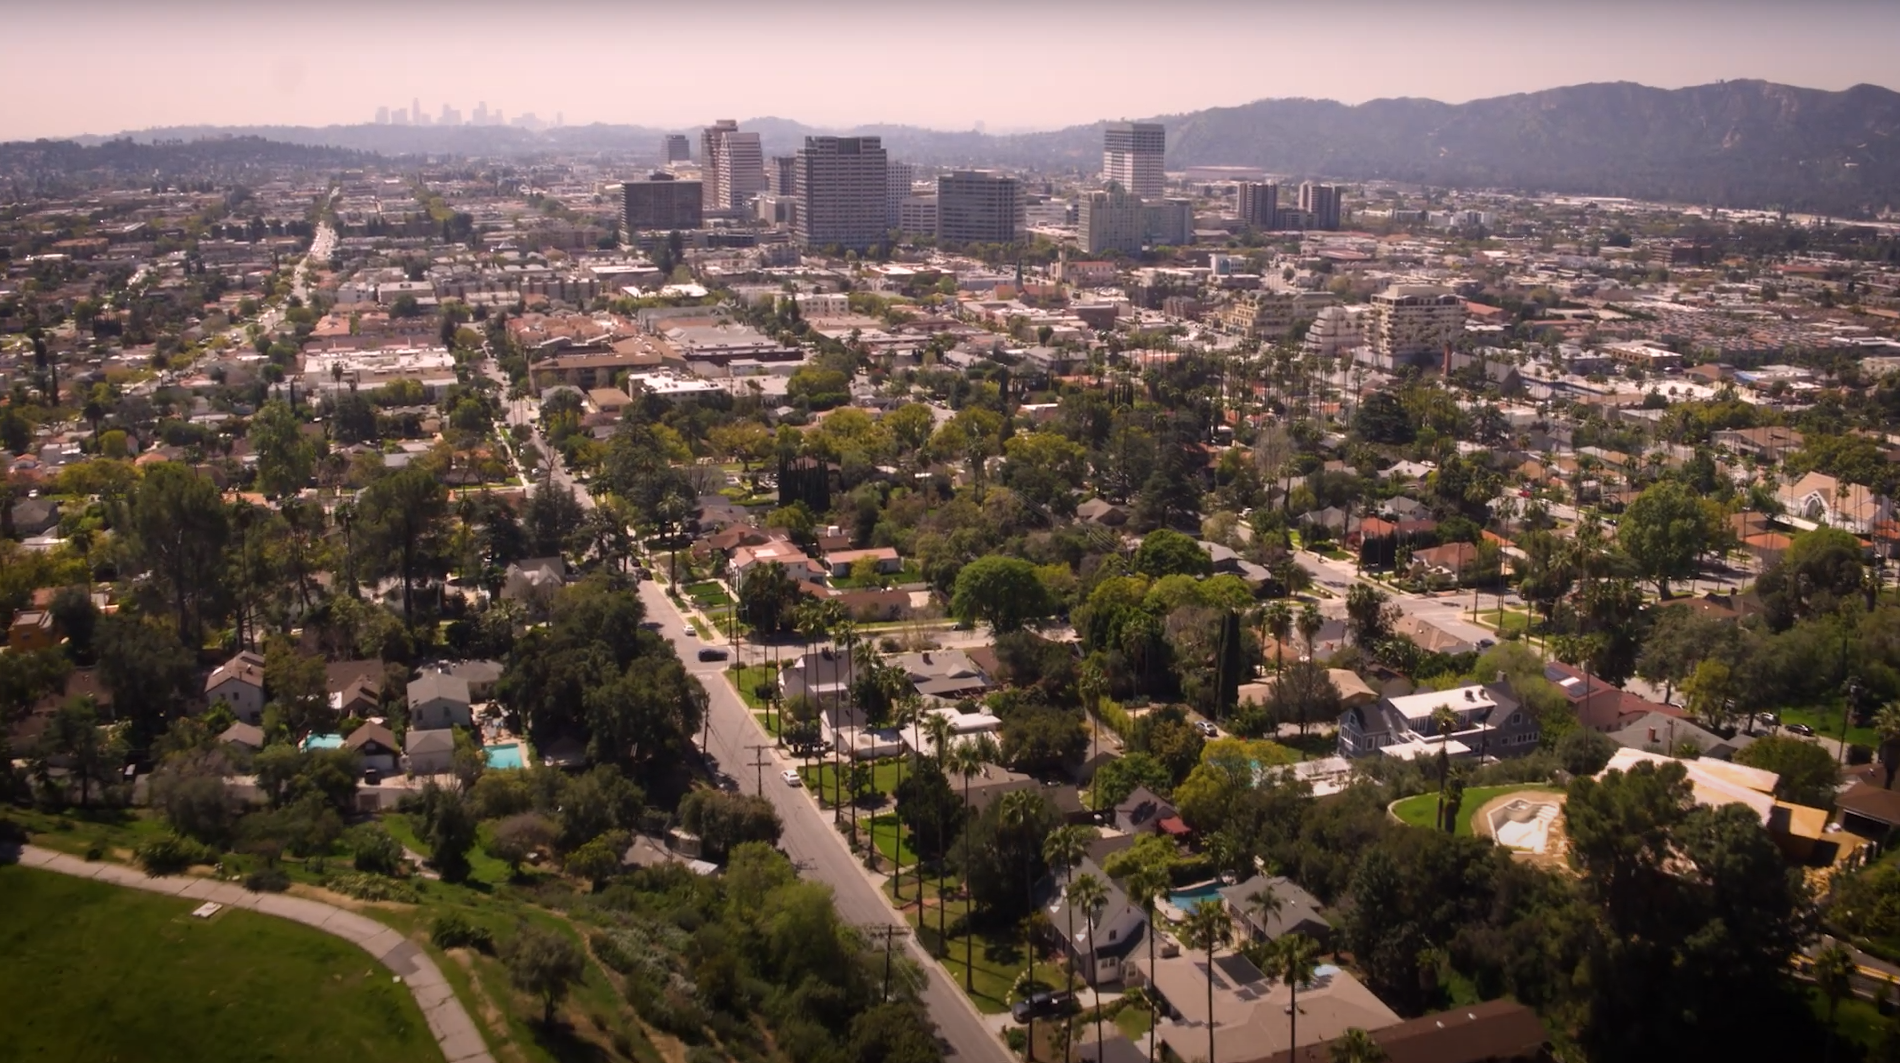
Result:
[{"x": 791, "y": 778}]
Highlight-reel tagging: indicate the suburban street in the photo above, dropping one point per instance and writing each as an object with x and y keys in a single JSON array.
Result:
[{"x": 809, "y": 838}]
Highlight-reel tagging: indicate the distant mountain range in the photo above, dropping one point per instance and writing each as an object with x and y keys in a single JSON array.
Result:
[{"x": 1734, "y": 144}]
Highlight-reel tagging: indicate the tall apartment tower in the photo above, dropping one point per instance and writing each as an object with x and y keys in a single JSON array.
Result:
[
  {"x": 841, "y": 184},
  {"x": 783, "y": 175},
  {"x": 674, "y": 147},
  {"x": 1322, "y": 202},
  {"x": 1257, "y": 203},
  {"x": 732, "y": 165},
  {"x": 1131, "y": 157},
  {"x": 897, "y": 179},
  {"x": 658, "y": 201},
  {"x": 979, "y": 207}
]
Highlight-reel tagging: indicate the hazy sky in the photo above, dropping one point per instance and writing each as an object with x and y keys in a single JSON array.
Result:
[{"x": 106, "y": 67}]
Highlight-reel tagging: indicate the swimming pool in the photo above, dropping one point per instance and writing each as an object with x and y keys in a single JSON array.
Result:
[
  {"x": 316, "y": 742},
  {"x": 508, "y": 756},
  {"x": 1186, "y": 899}
]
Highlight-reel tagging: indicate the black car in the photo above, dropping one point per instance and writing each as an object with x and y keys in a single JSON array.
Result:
[
  {"x": 1042, "y": 1006},
  {"x": 711, "y": 653}
]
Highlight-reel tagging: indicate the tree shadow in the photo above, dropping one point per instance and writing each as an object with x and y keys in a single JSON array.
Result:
[{"x": 563, "y": 1044}]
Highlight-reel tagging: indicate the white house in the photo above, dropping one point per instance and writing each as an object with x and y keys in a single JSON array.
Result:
[
  {"x": 429, "y": 752},
  {"x": 438, "y": 700},
  {"x": 375, "y": 744},
  {"x": 1098, "y": 952},
  {"x": 239, "y": 683}
]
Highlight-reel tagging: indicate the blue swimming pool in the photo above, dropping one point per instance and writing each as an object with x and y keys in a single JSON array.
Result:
[
  {"x": 329, "y": 741},
  {"x": 1186, "y": 899},
  {"x": 508, "y": 756}
]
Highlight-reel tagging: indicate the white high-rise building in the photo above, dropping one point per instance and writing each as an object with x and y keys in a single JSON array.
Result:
[
  {"x": 897, "y": 179},
  {"x": 1132, "y": 154},
  {"x": 1414, "y": 320},
  {"x": 732, "y": 165}
]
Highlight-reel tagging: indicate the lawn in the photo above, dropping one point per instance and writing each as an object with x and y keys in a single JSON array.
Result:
[
  {"x": 1858, "y": 1022},
  {"x": 1419, "y": 811},
  {"x": 998, "y": 959},
  {"x": 884, "y": 777},
  {"x": 1826, "y": 721},
  {"x": 1134, "y": 1022},
  {"x": 482, "y": 867},
  {"x": 101, "y": 972},
  {"x": 745, "y": 677},
  {"x": 891, "y": 839}
]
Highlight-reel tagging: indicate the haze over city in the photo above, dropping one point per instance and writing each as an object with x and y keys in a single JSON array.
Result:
[{"x": 1008, "y": 67}]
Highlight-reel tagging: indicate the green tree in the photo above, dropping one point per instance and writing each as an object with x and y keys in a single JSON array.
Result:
[
  {"x": 451, "y": 826},
  {"x": 1062, "y": 850},
  {"x": 1355, "y": 1046},
  {"x": 1089, "y": 894},
  {"x": 176, "y": 529},
  {"x": 403, "y": 514},
  {"x": 1370, "y": 615},
  {"x": 1165, "y": 552},
  {"x": 1145, "y": 886},
  {"x": 75, "y": 736},
  {"x": 285, "y": 458},
  {"x": 1834, "y": 977},
  {"x": 545, "y": 963},
  {"x": 1292, "y": 960},
  {"x": 1808, "y": 774},
  {"x": 1003, "y": 592},
  {"x": 1666, "y": 530},
  {"x": 1208, "y": 929}
]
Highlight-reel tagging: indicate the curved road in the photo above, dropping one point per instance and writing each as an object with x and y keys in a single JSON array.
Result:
[{"x": 814, "y": 845}]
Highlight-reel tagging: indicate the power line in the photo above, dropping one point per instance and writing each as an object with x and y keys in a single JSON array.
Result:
[
  {"x": 890, "y": 933},
  {"x": 759, "y": 762}
]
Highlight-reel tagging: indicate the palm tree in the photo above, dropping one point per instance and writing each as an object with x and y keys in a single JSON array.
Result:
[
  {"x": 1444, "y": 720},
  {"x": 966, "y": 760},
  {"x": 1309, "y": 623},
  {"x": 1089, "y": 894},
  {"x": 905, "y": 711},
  {"x": 1355, "y": 1046},
  {"x": 1887, "y": 726},
  {"x": 1092, "y": 684},
  {"x": 1145, "y": 885},
  {"x": 1265, "y": 903},
  {"x": 1062, "y": 850},
  {"x": 1292, "y": 961},
  {"x": 1277, "y": 620},
  {"x": 1208, "y": 929},
  {"x": 1019, "y": 809},
  {"x": 1834, "y": 977}
]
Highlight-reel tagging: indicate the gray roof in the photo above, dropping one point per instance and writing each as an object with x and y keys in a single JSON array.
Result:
[
  {"x": 1117, "y": 908},
  {"x": 1298, "y": 908},
  {"x": 432, "y": 685},
  {"x": 1669, "y": 732},
  {"x": 1141, "y": 808},
  {"x": 435, "y": 740},
  {"x": 244, "y": 734}
]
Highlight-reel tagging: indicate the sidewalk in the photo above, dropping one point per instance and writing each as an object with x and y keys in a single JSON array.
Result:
[{"x": 453, "y": 1030}]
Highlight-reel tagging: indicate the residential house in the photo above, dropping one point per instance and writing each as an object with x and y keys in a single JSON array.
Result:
[
  {"x": 1115, "y": 1049},
  {"x": 1597, "y": 704},
  {"x": 1823, "y": 499},
  {"x": 1250, "y": 1009},
  {"x": 1118, "y": 929},
  {"x": 989, "y": 786},
  {"x": 1103, "y": 512},
  {"x": 775, "y": 548},
  {"x": 1491, "y": 722},
  {"x": 480, "y": 675},
  {"x": 944, "y": 674},
  {"x": 1142, "y": 812},
  {"x": 873, "y": 604},
  {"x": 1298, "y": 912},
  {"x": 1430, "y": 637},
  {"x": 1444, "y": 564},
  {"x": 376, "y": 745},
  {"x": 1353, "y": 690},
  {"x": 360, "y": 700},
  {"x": 243, "y": 736},
  {"x": 840, "y": 562},
  {"x": 534, "y": 580},
  {"x": 1712, "y": 783},
  {"x": 823, "y": 675},
  {"x": 1496, "y": 1031},
  {"x": 965, "y": 727},
  {"x": 34, "y": 516},
  {"x": 239, "y": 683},
  {"x": 1769, "y": 443},
  {"x": 32, "y": 630},
  {"x": 1660, "y": 733},
  {"x": 430, "y": 752},
  {"x": 438, "y": 700}
]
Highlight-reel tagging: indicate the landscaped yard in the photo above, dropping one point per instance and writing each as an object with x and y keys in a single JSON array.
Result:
[
  {"x": 1826, "y": 722},
  {"x": 1419, "y": 811},
  {"x": 892, "y": 840},
  {"x": 101, "y": 972},
  {"x": 884, "y": 777},
  {"x": 998, "y": 959},
  {"x": 746, "y": 677}
]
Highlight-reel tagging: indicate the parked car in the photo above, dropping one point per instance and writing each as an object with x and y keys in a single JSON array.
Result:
[
  {"x": 650, "y": 625},
  {"x": 1207, "y": 729},
  {"x": 711, "y": 653},
  {"x": 1768, "y": 719},
  {"x": 791, "y": 778},
  {"x": 1801, "y": 729},
  {"x": 1042, "y": 1006}
]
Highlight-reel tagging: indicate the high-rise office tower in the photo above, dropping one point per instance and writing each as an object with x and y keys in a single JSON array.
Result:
[
  {"x": 415, "y": 110},
  {"x": 1322, "y": 202},
  {"x": 1257, "y": 203},
  {"x": 841, "y": 184},
  {"x": 897, "y": 179},
  {"x": 732, "y": 165},
  {"x": 382, "y": 116},
  {"x": 784, "y": 175},
  {"x": 674, "y": 147},
  {"x": 979, "y": 207},
  {"x": 1131, "y": 157},
  {"x": 481, "y": 112},
  {"x": 658, "y": 201},
  {"x": 450, "y": 116}
]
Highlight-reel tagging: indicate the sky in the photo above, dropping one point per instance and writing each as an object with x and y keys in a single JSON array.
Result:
[{"x": 1009, "y": 65}]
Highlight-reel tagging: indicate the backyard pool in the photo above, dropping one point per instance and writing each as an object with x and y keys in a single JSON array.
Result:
[
  {"x": 316, "y": 742},
  {"x": 508, "y": 756},
  {"x": 1186, "y": 899}
]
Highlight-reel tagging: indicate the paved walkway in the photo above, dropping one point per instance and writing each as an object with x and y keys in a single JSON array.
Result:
[{"x": 461, "y": 1042}]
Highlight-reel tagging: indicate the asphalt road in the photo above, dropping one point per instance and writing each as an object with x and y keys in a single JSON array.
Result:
[{"x": 809, "y": 838}]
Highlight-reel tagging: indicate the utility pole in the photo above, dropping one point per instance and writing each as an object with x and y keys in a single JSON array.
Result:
[
  {"x": 758, "y": 766},
  {"x": 890, "y": 934}
]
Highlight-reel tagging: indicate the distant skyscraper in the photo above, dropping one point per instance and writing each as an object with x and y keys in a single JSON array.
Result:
[
  {"x": 660, "y": 202},
  {"x": 481, "y": 112},
  {"x": 415, "y": 109},
  {"x": 732, "y": 165},
  {"x": 841, "y": 184},
  {"x": 1322, "y": 202},
  {"x": 979, "y": 207},
  {"x": 897, "y": 179},
  {"x": 674, "y": 147},
  {"x": 450, "y": 116},
  {"x": 1132, "y": 154},
  {"x": 1256, "y": 203},
  {"x": 382, "y": 116},
  {"x": 784, "y": 173}
]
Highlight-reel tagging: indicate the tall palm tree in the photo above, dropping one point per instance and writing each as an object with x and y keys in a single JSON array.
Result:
[
  {"x": 1309, "y": 623},
  {"x": 1019, "y": 809},
  {"x": 1093, "y": 684},
  {"x": 1444, "y": 721},
  {"x": 1834, "y": 977},
  {"x": 966, "y": 760},
  {"x": 1062, "y": 850},
  {"x": 940, "y": 730},
  {"x": 1355, "y": 1046},
  {"x": 1277, "y": 620},
  {"x": 904, "y": 712},
  {"x": 1091, "y": 895},
  {"x": 1887, "y": 726},
  {"x": 1145, "y": 885},
  {"x": 1208, "y": 929},
  {"x": 1292, "y": 960},
  {"x": 1265, "y": 903}
]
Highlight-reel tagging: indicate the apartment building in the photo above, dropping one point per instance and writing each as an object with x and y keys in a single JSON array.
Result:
[
  {"x": 674, "y": 147},
  {"x": 659, "y": 201},
  {"x": 897, "y": 179},
  {"x": 1118, "y": 221},
  {"x": 918, "y": 214},
  {"x": 732, "y": 166},
  {"x": 1322, "y": 203},
  {"x": 1272, "y": 314},
  {"x": 1132, "y": 154},
  {"x": 784, "y": 182},
  {"x": 841, "y": 184},
  {"x": 979, "y": 206},
  {"x": 1257, "y": 203},
  {"x": 1411, "y": 321}
]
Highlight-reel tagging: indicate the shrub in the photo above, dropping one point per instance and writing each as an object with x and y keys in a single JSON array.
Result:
[
  {"x": 1859, "y": 754},
  {"x": 375, "y": 851},
  {"x": 453, "y": 930},
  {"x": 269, "y": 880},
  {"x": 169, "y": 854},
  {"x": 365, "y": 887},
  {"x": 94, "y": 852}
]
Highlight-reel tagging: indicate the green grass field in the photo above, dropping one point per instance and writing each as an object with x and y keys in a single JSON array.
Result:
[
  {"x": 1420, "y": 810},
  {"x": 884, "y": 777},
  {"x": 100, "y": 972}
]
